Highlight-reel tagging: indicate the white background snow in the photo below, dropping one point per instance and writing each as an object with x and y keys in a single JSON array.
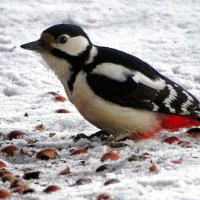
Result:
[{"x": 165, "y": 34}]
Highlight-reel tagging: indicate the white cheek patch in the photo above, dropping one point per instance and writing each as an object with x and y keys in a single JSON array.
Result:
[
  {"x": 157, "y": 84},
  {"x": 74, "y": 45},
  {"x": 112, "y": 71}
]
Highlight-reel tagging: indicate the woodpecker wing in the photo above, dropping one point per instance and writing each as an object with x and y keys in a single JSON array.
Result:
[{"x": 130, "y": 82}]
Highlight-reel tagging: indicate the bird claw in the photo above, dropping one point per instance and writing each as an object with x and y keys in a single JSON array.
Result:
[
  {"x": 103, "y": 135},
  {"x": 79, "y": 136}
]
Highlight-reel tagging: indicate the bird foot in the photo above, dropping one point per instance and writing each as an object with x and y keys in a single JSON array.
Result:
[{"x": 103, "y": 135}]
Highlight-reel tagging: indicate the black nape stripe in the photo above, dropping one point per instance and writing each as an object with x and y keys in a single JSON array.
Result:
[{"x": 77, "y": 62}]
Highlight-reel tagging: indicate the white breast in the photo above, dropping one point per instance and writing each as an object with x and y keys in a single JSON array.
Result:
[
  {"x": 108, "y": 116},
  {"x": 61, "y": 68}
]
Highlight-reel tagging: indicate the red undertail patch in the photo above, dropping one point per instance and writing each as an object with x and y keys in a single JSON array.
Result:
[
  {"x": 174, "y": 122},
  {"x": 169, "y": 122}
]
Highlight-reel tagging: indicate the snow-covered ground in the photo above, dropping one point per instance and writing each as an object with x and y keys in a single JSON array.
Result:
[{"x": 166, "y": 34}]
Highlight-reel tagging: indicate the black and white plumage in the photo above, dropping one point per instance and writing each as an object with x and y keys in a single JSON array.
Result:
[{"x": 113, "y": 90}]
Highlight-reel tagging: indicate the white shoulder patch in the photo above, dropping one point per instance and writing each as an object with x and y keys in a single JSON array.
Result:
[
  {"x": 119, "y": 73},
  {"x": 113, "y": 71},
  {"x": 157, "y": 84},
  {"x": 93, "y": 53}
]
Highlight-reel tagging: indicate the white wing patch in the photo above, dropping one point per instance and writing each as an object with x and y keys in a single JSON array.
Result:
[
  {"x": 157, "y": 84},
  {"x": 120, "y": 73},
  {"x": 112, "y": 71},
  {"x": 172, "y": 96}
]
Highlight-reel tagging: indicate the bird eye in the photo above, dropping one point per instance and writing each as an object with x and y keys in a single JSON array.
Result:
[{"x": 62, "y": 40}]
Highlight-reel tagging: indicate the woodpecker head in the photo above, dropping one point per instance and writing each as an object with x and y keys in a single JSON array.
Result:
[
  {"x": 65, "y": 48},
  {"x": 69, "y": 39}
]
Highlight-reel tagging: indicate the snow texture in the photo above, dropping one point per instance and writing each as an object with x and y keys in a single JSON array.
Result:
[{"x": 165, "y": 34}]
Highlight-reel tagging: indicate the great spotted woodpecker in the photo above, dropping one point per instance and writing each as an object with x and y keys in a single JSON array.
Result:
[{"x": 115, "y": 91}]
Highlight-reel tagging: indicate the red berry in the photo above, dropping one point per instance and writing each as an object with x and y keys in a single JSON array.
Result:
[
  {"x": 10, "y": 150},
  {"x": 60, "y": 98},
  {"x": 52, "y": 188},
  {"x": 62, "y": 111},
  {"x": 15, "y": 134},
  {"x": 111, "y": 181},
  {"x": 4, "y": 193},
  {"x": 153, "y": 168},
  {"x": 79, "y": 151},
  {"x": 110, "y": 156},
  {"x": 171, "y": 139}
]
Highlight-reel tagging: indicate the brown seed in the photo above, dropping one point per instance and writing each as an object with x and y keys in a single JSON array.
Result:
[
  {"x": 10, "y": 150},
  {"x": 65, "y": 171},
  {"x": 153, "y": 168},
  {"x": 178, "y": 161},
  {"x": 51, "y": 134},
  {"x": 79, "y": 151},
  {"x": 8, "y": 177},
  {"x": 4, "y": 193},
  {"x": 110, "y": 156},
  {"x": 83, "y": 181},
  {"x": 62, "y": 111},
  {"x": 51, "y": 188},
  {"x": 103, "y": 196},
  {"x": 4, "y": 172},
  {"x": 2, "y": 164},
  {"x": 15, "y": 134},
  {"x": 171, "y": 139},
  {"x": 47, "y": 153},
  {"x": 40, "y": 127},
  {"x": 19, "y": 185},
  {"x": 194, "y": 132},
  {"x": 111, "y": 181},
  {"x": 60, "y": 98}
]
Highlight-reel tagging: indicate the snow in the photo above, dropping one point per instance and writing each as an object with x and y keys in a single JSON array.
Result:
[{"x": 163, "y": 33}]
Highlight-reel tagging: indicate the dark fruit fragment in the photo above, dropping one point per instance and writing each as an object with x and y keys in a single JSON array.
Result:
[
  {"x": 111, "y": 181},
  {"x": 15, "y": 134},
  {"x": 31, "y": 175},
  {"x": 102, "y": 168},
  {"x": 194, "y": 132},
  {"x": 83, "y": 181},
  {"x": 103, "y": 196}
]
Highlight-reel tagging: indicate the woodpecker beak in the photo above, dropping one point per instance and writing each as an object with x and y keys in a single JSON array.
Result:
[{"x": 38, "y": 46}]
